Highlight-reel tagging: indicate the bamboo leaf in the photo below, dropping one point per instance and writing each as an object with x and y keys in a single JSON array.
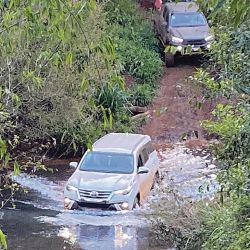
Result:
[
  {"x": 74, "y": 145},
  {"x": 84, "y": 85},
  {"x": 64, "y": 134},
  {"x": 61, "y": 34},
  {"x": 188, "y": 49},
  {"x": 110, "y": 119},
  {"x": 92, "y": 5},
  {"x": 90, "y": 145},
  {"x": 69, "y": 58},
  {"x": 16, "y": 168},
  {"x": 105, "y": 119},
  {"x": 3, "y": 241}
]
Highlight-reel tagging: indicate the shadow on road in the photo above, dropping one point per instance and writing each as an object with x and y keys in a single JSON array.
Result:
[{"x": 192, "y": 60}]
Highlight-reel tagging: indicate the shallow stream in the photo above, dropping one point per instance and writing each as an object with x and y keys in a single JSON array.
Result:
[{"x": 39, "y": 221}]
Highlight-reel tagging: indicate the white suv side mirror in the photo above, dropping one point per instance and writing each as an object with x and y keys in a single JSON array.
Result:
[
  {"x": 143, "y": 170},
  {"x": 73, "y": 164}
]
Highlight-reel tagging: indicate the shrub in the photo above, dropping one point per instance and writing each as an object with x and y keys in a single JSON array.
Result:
[
  {"x": 140, "y": 62},
  {"x": 111, "y": 96},
  {"x": 54, "y": 65},
  {"x": 141, "y": 94},
  {"x": 135, "y": 41},
  {"x": 226, "y": 222},
  {"x": 177, "y": 224},
  {"x": 227, "y": 226}
]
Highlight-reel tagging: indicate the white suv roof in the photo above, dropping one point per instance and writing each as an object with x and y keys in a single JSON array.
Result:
[{"x": 120, "y": 142}]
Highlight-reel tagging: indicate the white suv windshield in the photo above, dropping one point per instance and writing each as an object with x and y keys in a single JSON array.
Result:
[
  {"x": 108, "y": 163},
  {"x": 187, "y": 20}
]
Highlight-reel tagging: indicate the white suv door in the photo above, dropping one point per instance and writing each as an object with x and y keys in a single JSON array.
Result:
[{"x": 145, "y": 180}]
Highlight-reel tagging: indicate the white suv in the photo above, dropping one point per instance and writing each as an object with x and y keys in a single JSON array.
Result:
[{"x": 117, "y": 173}]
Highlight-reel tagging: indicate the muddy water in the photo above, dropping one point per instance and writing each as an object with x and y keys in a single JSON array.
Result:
[
  {"x": 189, "y": 174},
  {"x": 39, "y": 221}
]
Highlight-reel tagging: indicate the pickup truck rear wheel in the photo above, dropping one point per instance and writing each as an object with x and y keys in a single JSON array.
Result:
[{"x": 169, "y": 59}]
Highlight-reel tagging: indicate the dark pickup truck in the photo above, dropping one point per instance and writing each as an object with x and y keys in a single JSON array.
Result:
[{"x": 182, "y": 29}]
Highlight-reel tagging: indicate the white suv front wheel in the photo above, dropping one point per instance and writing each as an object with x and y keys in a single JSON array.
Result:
[{"x": 136, "y": 204}]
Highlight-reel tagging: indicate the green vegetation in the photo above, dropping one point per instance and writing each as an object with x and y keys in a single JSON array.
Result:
[
  {"x": 134, "y": 40},
  {"x": 61, "y": 83},
  {"x": 3, "y": 241},
  {"x": 51, "y": 63},
  {"x": 225, "y": 222},
  {"x": 61, "y": 66},
  {"x": 136, "y": 48},
  {"x": 141, "y": 94},
  {"x": 61, "y": 71}
]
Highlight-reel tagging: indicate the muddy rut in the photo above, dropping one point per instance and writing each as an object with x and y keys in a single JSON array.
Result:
[{"x": 174, "y": 114}]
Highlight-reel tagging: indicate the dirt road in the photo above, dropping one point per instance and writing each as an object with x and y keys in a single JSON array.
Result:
[{"x": 174, "y": 114}]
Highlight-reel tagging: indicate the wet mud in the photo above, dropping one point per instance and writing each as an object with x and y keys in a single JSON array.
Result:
[{"x": 175, "y": 114}]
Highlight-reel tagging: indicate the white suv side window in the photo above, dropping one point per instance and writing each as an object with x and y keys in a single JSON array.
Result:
[
  {"x": 145, "y": 156},
  {"x": 142, "y": 158},
  {"x": 139, "y": 161},
  {"x": 149, "y": 148}
]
